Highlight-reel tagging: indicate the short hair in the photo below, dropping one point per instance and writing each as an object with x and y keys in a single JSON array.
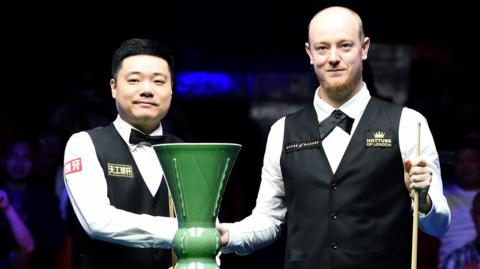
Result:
[{"x": 138, "y": 46}]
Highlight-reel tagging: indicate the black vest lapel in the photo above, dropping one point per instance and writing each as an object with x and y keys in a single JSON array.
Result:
[
  {"x": 125, "y": 191},
  {"x": 308, "y": 138}
]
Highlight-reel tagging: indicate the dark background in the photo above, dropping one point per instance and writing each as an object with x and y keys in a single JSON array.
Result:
[
  {"x": 48, "y": 47},
  {"x": 51, "y": 50}
]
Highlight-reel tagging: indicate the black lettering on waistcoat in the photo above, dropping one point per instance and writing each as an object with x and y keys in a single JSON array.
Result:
[{"x": 295, "y": 146}]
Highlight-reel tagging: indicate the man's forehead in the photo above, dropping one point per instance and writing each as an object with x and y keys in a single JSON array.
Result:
[{"x": 333, "y": 19}]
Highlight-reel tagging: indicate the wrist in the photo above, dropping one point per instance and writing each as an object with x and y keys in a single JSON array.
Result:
[{"x": 424, "y": 202}]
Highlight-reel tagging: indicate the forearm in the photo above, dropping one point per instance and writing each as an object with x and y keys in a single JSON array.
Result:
[
  {"x": 436, "y": 221},
  {"x": 20, "y": 232},
  {"x": 88, "y": 193},
  {"x": 262, "y": 227},
  {"x": 251, "y": 234},
  {"x": 105, "y": 222},
  {"x": 434, "y": 211}
]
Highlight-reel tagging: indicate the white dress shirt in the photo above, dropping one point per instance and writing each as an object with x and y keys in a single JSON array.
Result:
[
  {"x": 262, "y": 226},
  {"x": 87, "y": 190}
]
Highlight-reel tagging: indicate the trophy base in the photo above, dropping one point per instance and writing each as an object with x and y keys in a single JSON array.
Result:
[{"x": 196, "y": 263}]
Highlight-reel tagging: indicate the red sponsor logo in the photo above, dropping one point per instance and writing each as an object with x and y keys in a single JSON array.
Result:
[{"x": 72, "y": 166}]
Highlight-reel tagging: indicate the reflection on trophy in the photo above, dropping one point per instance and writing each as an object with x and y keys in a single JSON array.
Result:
[{"x": 197, "y": 174}]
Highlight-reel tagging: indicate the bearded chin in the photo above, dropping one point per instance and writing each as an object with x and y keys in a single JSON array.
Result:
[
  {"x": 342, "y": 90},
  {"x": 339, "y": 87}
]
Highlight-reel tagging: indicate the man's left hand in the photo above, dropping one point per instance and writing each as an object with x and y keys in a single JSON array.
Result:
[{"x": 418, "y": 177}]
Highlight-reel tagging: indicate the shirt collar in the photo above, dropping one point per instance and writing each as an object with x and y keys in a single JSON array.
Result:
[
  {"x": 124, "y": 128},
  {"x": 353, "y": 107}
]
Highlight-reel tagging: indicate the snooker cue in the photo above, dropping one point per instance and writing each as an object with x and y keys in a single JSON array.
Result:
[{"x": 415, "y": 210}]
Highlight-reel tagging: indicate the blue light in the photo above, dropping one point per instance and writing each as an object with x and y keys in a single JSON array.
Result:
[{"x": 205, "y": 84}]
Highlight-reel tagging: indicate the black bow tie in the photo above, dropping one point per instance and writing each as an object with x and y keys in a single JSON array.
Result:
[
  {"x": 337, "y": 118},
  {"x": 138, "y": 137}
]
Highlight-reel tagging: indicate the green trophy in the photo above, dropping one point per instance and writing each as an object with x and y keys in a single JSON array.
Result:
[{"x": 197, "y": 174}]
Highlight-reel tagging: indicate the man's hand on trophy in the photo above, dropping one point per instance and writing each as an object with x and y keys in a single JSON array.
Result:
[{"x": 224, "y": 236}]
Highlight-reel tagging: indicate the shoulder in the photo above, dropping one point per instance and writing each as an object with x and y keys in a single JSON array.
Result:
[
  {"x": 77, "y": 144},
  {"x": 82, "y": 136},
  {"x": 410, "y": 118},
  {"x": 412, "y": 114}
]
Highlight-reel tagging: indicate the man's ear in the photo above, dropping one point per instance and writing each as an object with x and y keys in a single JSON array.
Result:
[
  {"x": 307, "y": 49},
  {"x": 113, "y": 87},
  {"x": 365, "y": 47}
]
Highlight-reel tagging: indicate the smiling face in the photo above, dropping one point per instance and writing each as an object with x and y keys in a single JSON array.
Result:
[
  {"x": 337, "y": 48},
  {"x": 142, "y": 90}
]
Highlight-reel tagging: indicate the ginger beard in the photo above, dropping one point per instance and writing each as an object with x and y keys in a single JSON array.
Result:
[{"x": 340, "y": 88}]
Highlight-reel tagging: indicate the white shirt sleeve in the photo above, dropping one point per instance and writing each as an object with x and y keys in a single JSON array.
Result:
[
  {"x": 436, "y": 221},
  {"x": 262, "y": 227},
  {"x": 87, "y": 189}
]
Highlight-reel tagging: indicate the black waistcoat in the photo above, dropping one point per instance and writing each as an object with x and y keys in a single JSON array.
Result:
[
  {"x": 358, "y": 217},
  {"x": 130, "y": 193}
]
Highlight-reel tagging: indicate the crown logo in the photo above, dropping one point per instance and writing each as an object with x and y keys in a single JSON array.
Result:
[{"x": 379, "y": 134}]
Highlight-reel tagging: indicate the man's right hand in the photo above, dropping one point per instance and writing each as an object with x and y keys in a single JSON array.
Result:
[
  {"x": 224, "y": 235},
  {"x": 4, "y": 201}
]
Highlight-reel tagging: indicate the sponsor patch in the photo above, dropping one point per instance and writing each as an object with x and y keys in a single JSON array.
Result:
[
  {"x": 120, "y": 170},
  {"x": 72, "y": 166},
  {"x": 378, "y": 139},
  {"x": 302, "y": 145}
]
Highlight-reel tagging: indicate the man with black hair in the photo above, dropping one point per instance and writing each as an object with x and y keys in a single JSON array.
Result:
[{"x": 114, "y": 179}]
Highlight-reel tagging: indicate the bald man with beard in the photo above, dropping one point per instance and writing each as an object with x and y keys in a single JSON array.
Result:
[{"x": 341, "y": 172}]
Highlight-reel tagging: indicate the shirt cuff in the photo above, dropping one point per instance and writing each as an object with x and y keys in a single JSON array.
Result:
[
  {"x": 232, "y": 239},
  {"x": 437, "y": 220},
  {"x": 166, "y": 234}
]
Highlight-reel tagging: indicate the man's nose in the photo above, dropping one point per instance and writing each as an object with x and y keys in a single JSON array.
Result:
[
  {"x": 147, "y": 89},
  {"x": 333, "y": 57}
]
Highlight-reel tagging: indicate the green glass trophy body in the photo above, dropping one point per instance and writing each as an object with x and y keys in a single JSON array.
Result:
[{"x": 196, "y": 174}]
